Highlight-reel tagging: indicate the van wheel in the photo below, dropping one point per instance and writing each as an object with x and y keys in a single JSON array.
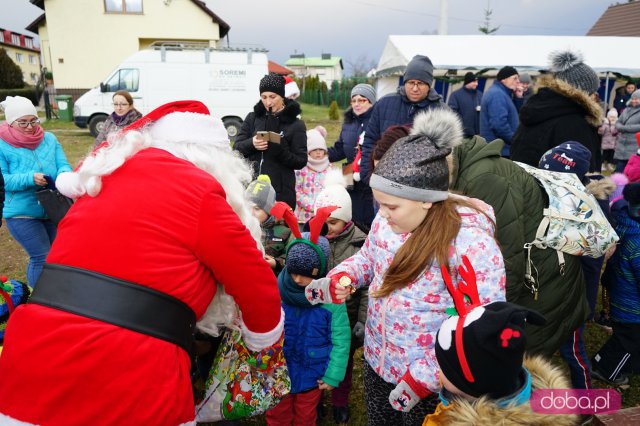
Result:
[
  {"x": 233, "y": 126},
  {"x": 96, "y": 123}
]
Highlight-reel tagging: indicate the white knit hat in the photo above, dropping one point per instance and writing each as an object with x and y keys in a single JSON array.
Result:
[
  {"x": 16, "y": 107},
  {"x": 335, "y": 194},
  {"x": 315, "y": 139}
]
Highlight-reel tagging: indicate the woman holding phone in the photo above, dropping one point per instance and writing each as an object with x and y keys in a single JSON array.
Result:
[
  {"x": 29, "y": 157},
  {"x": 283, "y": 148}
]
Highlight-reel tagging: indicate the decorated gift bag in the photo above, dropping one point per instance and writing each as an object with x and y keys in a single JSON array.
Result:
[{"x": 243, "y": 383}]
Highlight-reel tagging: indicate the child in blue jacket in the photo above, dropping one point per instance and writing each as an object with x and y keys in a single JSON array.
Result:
[{"x": 316, "y": 337}]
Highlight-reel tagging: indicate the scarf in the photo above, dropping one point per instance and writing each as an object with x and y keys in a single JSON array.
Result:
[
  {"x": 18, "y": 139},
  {"x": 119, "y": 120},
  {"x": 318, "y": 165},
  {"x": 291, "y": 293}
]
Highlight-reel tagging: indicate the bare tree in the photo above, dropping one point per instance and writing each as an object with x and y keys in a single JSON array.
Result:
[{"x": 361, "y": 65}]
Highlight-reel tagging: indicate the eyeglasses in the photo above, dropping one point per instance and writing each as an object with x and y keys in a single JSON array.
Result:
[
  {"x": 25, "y": 124},
  {"x": 415, "y": 83},
  {"x": 359, "y": 101},
  {"x": 119, "y": 105}
]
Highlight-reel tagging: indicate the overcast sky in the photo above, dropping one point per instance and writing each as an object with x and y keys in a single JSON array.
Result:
[{"x": 358, "y": 29}]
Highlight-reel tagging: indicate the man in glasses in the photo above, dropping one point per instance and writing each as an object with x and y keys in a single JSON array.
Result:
[{"x": 414, "y": 95}]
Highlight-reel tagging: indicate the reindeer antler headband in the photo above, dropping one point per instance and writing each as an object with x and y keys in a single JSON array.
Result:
[{"x": 467, "y": 287}]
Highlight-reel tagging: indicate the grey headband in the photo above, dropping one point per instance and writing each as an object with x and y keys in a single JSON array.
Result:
[{"x": 403, "y": 191}]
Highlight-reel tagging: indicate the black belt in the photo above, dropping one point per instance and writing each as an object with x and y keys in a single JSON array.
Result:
[{"x": 117, "y": 302}]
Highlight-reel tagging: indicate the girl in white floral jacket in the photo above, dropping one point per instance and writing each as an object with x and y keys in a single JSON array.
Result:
[
  {"x": 310, "y": 179},
  {"x": 419, "y": 227}
]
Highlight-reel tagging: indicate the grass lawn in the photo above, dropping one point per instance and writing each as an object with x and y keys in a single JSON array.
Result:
[{"x": 77, "y": 142}]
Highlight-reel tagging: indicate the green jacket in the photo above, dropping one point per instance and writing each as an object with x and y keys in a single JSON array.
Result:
[{"x": 478, "y": 171}]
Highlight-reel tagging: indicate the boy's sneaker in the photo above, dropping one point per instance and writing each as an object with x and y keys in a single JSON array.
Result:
[{"x": 618, "y": 381}]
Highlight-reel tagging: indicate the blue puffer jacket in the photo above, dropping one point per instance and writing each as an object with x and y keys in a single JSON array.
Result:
[
  {"x": 389, "y": 111},
  {"x": 352, "y": 127},
  {"x": 18, "y": 166},
  {"x": 498, "y": 115},
  {"x": 316, "y": 338},
  {"x": 622, "y": 275}
]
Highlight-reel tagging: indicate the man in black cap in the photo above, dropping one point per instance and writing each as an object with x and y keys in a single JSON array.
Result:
[
  {"x": 414, "y": 95},
  {"x": 499, "y": 116},
  {"x": 466, "y": 102}
]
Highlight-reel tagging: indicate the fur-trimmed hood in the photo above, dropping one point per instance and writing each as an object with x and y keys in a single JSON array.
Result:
[
  {"x": 568, "y": 98},
  {"x": 484, "y": 412},
  {"x": 288, "y": 115},
  {"x": 600, "y": 186}
]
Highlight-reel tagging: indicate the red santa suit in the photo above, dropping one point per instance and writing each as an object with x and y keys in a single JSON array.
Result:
[{"x": 160, "y": 222}]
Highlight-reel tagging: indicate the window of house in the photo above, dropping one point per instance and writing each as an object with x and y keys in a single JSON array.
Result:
[
  {"x": 32, "y": 59},
  {"x": 15, "y": 39},
  {"x": 123, "y": 6},
  {"x": 28, "y": 42},
  {"x": 1, "y": 37},
  {"x": 18, "y": 57},
  {"x": 125, "y": 79}
]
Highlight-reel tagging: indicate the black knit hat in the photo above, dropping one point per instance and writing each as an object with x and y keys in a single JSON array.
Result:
[
  {"x": 272, "y": 83},
  {"x": 631, "y": 193},
  {"x": 506, "y": 72},
  {"x": 469, "y": 77},
  {"x": 494, "y": 343},
  {"x": 419, "y": 68},
  {"x": 415, "y": 167},
  {"x": 306, "y": 258}
]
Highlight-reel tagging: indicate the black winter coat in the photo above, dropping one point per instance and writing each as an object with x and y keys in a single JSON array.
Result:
[
  {"x": 278, "y": 161},
  {"x": 557, "y": 113}
]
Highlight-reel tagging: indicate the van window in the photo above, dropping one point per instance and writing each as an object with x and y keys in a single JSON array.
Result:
[{"x": 124, "y": 79}]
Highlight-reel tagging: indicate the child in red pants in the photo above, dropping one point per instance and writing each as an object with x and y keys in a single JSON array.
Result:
[{"x": 316, "y": 337}]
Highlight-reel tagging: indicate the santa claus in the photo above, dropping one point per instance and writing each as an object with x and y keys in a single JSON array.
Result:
[{"x": 161, "y": 229}]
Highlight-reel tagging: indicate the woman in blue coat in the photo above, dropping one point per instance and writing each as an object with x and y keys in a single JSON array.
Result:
[
  {"x": 363, "y": 96},
  {"x": 28, "y": 156}
]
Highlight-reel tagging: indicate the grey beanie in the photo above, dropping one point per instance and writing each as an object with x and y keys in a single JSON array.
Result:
[
  {"x": 525, "y": 78},
  {"x": 366, "y": 91},
  {"x": 634, "y": 95},
  {"x": 569, "y": 67},
  {"x": 415, "y": 167},
  {"x": 261, "y": 193},
  {"x": 419, "y": 68}
]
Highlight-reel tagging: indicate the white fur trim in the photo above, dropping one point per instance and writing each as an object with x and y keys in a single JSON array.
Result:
[
  {"x": 191, "y": 423},
  {"x": 258, "y": 341},
  {"x": 68, "y": 183},
  {"x": 291, "y": 89},
  {"x": 190, "y": 127},
  {"x": 441, "y": 126},
  {"x": 10, "y": 421}
]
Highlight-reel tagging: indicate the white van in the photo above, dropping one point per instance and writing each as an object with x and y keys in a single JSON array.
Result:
[{"x": 225, "y": 80}]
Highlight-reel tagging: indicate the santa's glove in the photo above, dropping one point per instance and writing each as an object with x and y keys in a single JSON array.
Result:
[
  {"x": 407, "y": 393},
  {"x": 68, "y": 183}
]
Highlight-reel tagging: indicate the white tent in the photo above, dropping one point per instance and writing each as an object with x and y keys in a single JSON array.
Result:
[{"x": 526, "y": 53}]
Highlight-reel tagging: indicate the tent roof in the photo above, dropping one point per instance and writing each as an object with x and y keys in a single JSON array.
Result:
[{"x": 523, "y": 52}]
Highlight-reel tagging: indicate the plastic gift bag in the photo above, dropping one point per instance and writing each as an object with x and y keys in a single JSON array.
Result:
[{"x": 243, "y": 383}]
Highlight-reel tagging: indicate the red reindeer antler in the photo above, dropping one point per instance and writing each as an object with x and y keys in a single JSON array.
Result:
[
  {"x": 316, "y": 222},
  {"x": 282, "y": 210},
  {"x": 466, "y": 287}
]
